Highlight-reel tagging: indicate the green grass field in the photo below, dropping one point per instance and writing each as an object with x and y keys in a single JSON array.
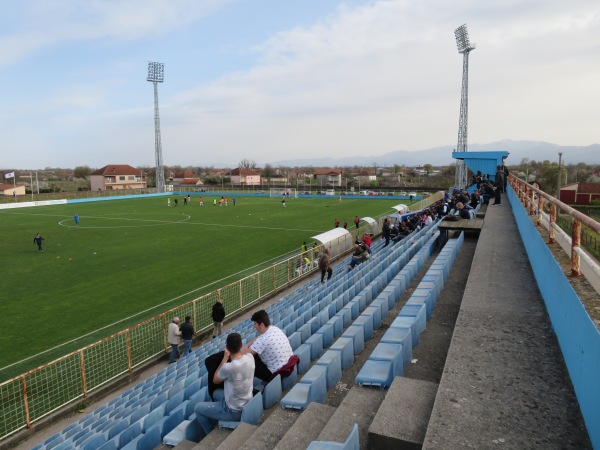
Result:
[{"x": 133, "y": 259}]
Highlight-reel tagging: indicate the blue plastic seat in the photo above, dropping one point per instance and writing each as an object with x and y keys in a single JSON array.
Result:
[
  {"x": 357, "y": 334},
  {"x": 295, "y": 340},
  {"x": 272, "y": 392},
  {"x": 400, "y": 335},
  {"x": 290, "y": 380},
  {"x": 333, "y": 361},
  {"x": 93, "y": 442},
  {"x": 417, "y": 311},
  {"x": 311, "y": 388},
  {"x": 352, "y": 443},
  {"x": 316, "y": 346},
  {"x": 251, "y": 413},
  {"x": 365, "y": 320},
  {"x": 303, "y": 352},
  {"x": 345, "y": 346}
]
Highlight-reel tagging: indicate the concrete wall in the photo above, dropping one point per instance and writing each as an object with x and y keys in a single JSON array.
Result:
[{"x": 577, "y": 334}]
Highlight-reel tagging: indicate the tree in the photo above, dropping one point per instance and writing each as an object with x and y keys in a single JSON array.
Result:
[
  {"x": 428, "y": 168},
  {"x": 247, "y": 164},
  {"x": 268, "y": 172},
  {"x": 82, "y": 172}
]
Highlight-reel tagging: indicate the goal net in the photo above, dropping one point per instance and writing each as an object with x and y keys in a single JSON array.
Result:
[{"x": 283, "y": 192}]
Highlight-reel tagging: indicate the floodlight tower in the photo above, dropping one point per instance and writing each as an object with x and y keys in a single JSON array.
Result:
[
  {"x": 464, "y": 47},
  {"x": 156, "y": 74}
]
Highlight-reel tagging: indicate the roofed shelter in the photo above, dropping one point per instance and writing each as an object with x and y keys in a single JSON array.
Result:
[
  {"x": 484, "y": 162},
  {"x": 373, "y": 225},
  {"x": 338, "y": 240}
]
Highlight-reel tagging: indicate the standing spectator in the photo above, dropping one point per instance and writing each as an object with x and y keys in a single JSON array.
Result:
[
  {"x": 324, "y": 265},
  {"x": 76, "y": 219},
  {"x": 218, "y": 315},
  {"x": 187, "y": 333},
  {"x": 367, "y": 241},
  {"x": 38, "y": 240},
  {"x": 173, "y": 338},
  {"x": 386, "y": 231},
  {"x": 345, "y": 224},
  {"x": 498, "y": 186},
  {"x": 505, "y": 174},
  {"x": 236, "y": 372},
  {"x": 356, "y": 221},
  {"x": 337, "y": 223},
  {"x": 175, "y": 201}
]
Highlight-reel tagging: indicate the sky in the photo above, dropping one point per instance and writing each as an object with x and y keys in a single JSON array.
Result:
[{"x": 269, "y": 80}]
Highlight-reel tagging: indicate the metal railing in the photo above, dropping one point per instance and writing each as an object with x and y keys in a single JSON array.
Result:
[
  {"x": 33, "y": 395},
  {"x": 535, "y": 200}
]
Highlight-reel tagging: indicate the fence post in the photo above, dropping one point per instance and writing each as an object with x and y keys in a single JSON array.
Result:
[
  {"x": 531, "y": 202},
  {"x": 83, "y": 379},
  {"x": 26, "y": 401},
  {"x": 539, "y": 210},
  {"x": 165, "y": 332},
  {"x": 551, "y": 229},
  {"x": 575, "y": 244},
  {"x": 127, "y": 340},
  {"x": 241, "y": 300}
]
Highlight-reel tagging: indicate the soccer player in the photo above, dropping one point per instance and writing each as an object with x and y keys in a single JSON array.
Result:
[
  {"x": 201, "y": 201},
  {"x": 38, "y": 240},
  {"x": 76, "y": 219}
]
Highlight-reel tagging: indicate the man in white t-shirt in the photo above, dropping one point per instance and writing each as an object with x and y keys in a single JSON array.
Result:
[
  {"x": 236, "y": 371},
  {"x": 271, "y": 349}
]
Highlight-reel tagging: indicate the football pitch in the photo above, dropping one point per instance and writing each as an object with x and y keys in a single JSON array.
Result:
[{"x": 129, "y": 260}]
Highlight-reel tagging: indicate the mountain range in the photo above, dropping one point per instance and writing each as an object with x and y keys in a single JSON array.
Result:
[{"x": 442, "y": 156}]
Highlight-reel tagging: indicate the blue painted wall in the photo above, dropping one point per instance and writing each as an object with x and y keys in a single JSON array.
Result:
[{"x": 577, "y": 334}]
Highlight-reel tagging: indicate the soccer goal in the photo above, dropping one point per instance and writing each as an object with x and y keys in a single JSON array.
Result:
[{"x": 281, "y": 192}]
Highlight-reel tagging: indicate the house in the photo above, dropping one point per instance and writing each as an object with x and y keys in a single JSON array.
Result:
[
  {"x": 10, "y": 189},
  {"x": 117, "y": 176},
  {"x": 328, "y": 177},
  {"x": 244, "y": 176},
  {"x": 365, "y": 176},
  {"x": 580, "y": 193}
]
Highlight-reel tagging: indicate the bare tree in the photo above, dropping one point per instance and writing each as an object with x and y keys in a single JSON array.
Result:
[{"x": 247, "y": 164}]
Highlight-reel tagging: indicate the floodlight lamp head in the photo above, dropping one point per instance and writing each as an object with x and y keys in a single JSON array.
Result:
[
  {"x": 156, "y": 72},
  {"x": 462, "y": 39}
]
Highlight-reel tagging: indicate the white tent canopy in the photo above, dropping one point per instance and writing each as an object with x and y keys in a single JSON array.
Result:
[
  {"x": 401, "y": 208},
  {"x": 372, "y": 224},
  {"x": 337, "y": 240}
]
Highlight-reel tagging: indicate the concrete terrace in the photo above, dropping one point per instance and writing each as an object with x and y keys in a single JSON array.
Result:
[{"x": 487, "y": 373}]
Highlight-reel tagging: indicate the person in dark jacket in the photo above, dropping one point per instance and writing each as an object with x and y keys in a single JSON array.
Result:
[
  {"x": 498, "y": 185},
  {"x": 324, "y": 265},
  {"x": 187, "y": 334},
  {"x": 218, "y": 314},
  {"x": 386, "y": 231}
]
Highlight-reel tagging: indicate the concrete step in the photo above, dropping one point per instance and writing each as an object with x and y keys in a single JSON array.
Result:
[
  {"x": 359, "y": 406},
  {"x": 307, "y": 427},
  {"x": 213, "y": 440},
  {"x": 183, "y": 445},
  {"x": 402, "y": 418},
  {"x": 237, "y": 438},
  {"x": 268, "y": 435}
]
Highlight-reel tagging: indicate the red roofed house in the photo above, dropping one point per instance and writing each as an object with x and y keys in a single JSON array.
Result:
[
  {"x": 580, "y": 193},
  {"x": 244, "y": 176},
  {"x": 116, "y": 176},
  {"x": 328, "y": 177}
]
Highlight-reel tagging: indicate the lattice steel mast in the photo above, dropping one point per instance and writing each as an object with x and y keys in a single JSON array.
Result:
[
  {"x": 156, "y": 74},
  {"x": 464, "y": 47}
]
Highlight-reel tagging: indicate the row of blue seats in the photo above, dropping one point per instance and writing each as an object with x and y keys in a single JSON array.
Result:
[
  {"x": 389, "y": 357},
  {"x": 327, "y": 371}
]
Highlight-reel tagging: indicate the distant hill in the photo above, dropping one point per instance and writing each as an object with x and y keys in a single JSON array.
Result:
[{"x": 442, "y": 156}]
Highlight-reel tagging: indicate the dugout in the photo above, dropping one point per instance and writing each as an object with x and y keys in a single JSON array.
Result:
[
  {"x": 338, "y": 240},
  {"x": 373, "y": 227},
  {"x": 401, "y": 208}
]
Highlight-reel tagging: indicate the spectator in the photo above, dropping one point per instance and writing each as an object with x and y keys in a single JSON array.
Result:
[
  {"x": 336, "y": 223},
  {"x": 218, "y": 315},
  {"x": 498, "y": 186},
  {"x": 360, "y": 255},
  {"x": 463, "y": 212},
  {"x": 173, "y": 338},
  {"x": 187, "y": 333},
  {"x": 271, "y": 349},
  {"x": 236, "y": 372},
  {"x": 488, "y": 193},
  {"x": 324, "y": 265},
  {"x": 386, "y": 231},
  {"x": 356, "y": 221}
]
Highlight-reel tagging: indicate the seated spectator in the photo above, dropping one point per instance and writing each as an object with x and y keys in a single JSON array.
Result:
[
  {"x": 271, "y": 350},
  {"x": 360, "y": 255},
  {"x": 474, "y": 200},
  {"x": 236, "y": 372},
  {"x": 367, "y": 242},
  {"x": 463, "y": 212},
  {"x": 486, "y": 193}
]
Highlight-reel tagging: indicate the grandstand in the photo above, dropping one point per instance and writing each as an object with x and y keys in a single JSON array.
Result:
[{"x": 362, "y": 341}]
